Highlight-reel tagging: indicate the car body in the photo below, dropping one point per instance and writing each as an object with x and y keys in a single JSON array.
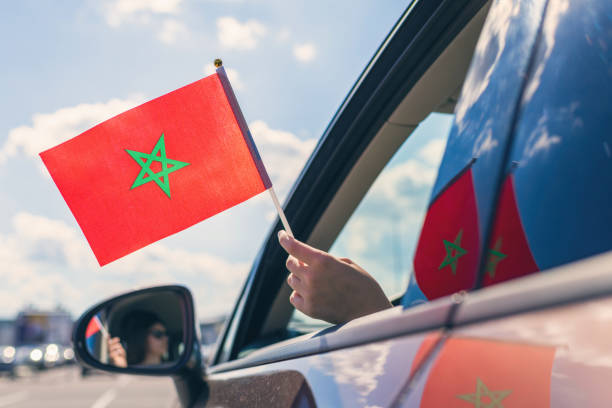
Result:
[{"x": 509, "y": 300}]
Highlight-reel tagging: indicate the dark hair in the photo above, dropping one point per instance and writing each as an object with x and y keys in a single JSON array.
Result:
[{"x": 135, "y": 329}]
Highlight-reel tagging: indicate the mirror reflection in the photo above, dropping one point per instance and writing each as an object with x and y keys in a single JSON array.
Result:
[{"x": 142, "y": 330}]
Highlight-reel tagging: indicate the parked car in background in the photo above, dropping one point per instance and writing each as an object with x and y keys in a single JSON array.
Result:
[
  {"x": 36, "y": 340},
  {"x": 507, "y": 297},
  {"x": 7, "y": 357}
]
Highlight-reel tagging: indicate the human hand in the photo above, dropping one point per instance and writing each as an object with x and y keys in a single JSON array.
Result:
[
  {"x": 333, "y": 289},
  {"x": 116, "y": 352}
]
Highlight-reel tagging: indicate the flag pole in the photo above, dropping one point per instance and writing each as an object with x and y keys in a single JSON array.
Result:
[
  {"x": 280, "y": 211},
  {"x": 102, "y": 327},
  {"x": 218, "y": 63}
]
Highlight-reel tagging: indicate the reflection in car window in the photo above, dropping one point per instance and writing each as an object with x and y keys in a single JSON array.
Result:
[
  {"x": 555, "y": 204},
  {"x": 383, "y": 231}
]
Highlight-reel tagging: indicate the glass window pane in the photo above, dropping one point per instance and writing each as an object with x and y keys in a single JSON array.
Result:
[
  {"x": 555, "y": 205},
  {"x": 382, "y": 233}
]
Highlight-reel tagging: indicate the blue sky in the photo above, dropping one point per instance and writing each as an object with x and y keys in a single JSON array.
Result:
[{"x": 69, "y": 65}]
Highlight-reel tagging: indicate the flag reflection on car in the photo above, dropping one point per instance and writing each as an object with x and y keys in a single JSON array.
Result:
[
  {"x": 446, "y": 259},
  {"x": 487, "y": 373},
  {"x": 509, "y": 253}
]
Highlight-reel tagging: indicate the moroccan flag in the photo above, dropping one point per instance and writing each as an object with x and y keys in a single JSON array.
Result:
[
  {"x": 92, "y": 327},
  {"x": 471, "y": 372},
  {"x": 158, "y": 168},
  {"x": 92, "y": 333},
  {"x": 446, "y": 258},
  {"x": 425, "y": 349},
  {"x": 509, "y": 254}
]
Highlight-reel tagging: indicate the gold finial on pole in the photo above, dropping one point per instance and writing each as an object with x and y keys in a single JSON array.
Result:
[{"x": 218, "y": 62}]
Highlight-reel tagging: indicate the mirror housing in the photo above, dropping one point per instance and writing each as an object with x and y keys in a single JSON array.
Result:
[{"x": 110, "y": 315}]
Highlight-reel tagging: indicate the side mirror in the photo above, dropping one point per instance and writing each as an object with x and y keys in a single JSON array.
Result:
[{"x": 148, "y": 331}]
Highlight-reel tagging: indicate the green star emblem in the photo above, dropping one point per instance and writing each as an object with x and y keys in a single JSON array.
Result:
[
  {"x": 157, "y": 155},
  {"x": 493, "y": 399},
  {"x": 495, "y": 256},
  {"x": 453, "y": 253}
]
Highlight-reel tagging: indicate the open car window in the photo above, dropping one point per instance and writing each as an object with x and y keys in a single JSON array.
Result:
[{"x": 382, "y": 233}]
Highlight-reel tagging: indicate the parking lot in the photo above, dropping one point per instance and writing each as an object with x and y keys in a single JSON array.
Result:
[{"x": 65, "y": 387}]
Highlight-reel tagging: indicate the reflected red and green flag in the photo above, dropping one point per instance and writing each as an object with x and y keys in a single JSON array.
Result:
[
  {"x": 472, "y": 372},
  {"x": 158, "y": 168},
  {"x": 93, "y": 333},
  {"x": 446, "y": 258},
  {"x": 509, "y": 254}
]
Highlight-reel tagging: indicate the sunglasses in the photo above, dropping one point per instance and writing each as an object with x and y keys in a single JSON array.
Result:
[{"x": 158, "y": 334}]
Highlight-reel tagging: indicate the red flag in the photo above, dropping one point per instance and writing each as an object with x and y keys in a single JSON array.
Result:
[
  {"x": 509, "y": 255},
  {"x": 425, "y": 349},
  {"x": 92, "y": 327},
  {"x": 446, "y": 258},
  {"x": 472, "y": 372},
  {"x": 158, "y": 168}
]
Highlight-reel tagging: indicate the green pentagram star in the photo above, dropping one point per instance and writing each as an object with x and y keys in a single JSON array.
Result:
[
  {"x": 495, "y": 256},
  {"x": 450, "y": 248},
  {"x": 495, "y": 397},
  {"x": 157, "y": 155}
]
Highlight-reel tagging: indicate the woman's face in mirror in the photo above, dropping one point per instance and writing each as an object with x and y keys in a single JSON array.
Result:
[{"x": 157, "y": 342}]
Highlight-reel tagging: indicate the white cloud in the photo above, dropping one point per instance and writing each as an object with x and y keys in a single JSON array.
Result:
[
  {"x": 283, "y": 154},
  {"x": 49, "y": 262},
  {"x": 51, "y": 240},
  {"x": 28, "y": 256},
  {"x": 165, "y": 263},
  {"x": 172, "y": 31},
  {"x": 542, "y": 143},
  {"x": 232, "y": 74},
  {"x": 540, "y": 140},
  {"x": 305, "y": 52},
  {"x": 484, "y": 141},
  {"x": 50, "y": 129},
  {"x": 158, "y": 15},
  {"x": 432, "y": 152},
  {"x": 362, "y": 233},
  {"x": 121, "y": 11},
  {"x": 393, "y": 183},
  {"x": 487, "y": 54},
  {"x": 554, "y": 12},
  {"x": 240, "y": 36},
  {"x": 361, "y": 367},
  {"x": 578, "y": 340}
]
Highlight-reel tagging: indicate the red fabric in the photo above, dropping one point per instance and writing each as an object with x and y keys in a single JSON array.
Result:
[
  {"x": 452, "y": 212},
  {"x": 509, "y": 239},
  {"x": 92, "y": 328},
  {"x": 510, "y": 375},
  {"x": 424, "y": 351},
  {"x": 94, "y": 173}
]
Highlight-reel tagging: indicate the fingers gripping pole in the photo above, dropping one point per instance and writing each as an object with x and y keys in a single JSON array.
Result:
[{"x": 280, "y": 211}]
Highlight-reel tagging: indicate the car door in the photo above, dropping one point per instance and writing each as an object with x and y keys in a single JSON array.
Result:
[
  {"x": 266, "y": 355},
  {"x": 542, "y": 340}
]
